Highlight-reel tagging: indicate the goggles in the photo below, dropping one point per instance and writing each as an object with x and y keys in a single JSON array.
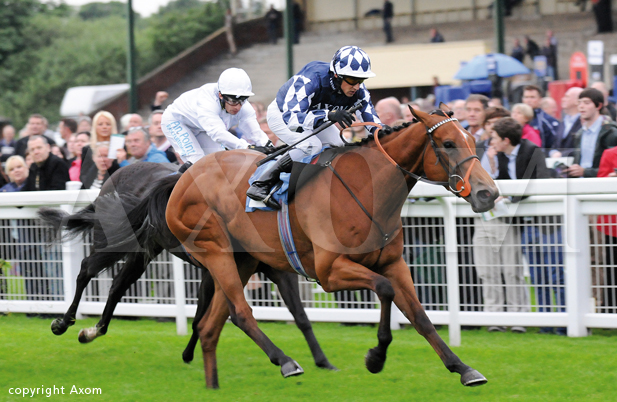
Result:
[
  {"x": 353, "y": 81},
  {"x": 234, "y": 101}
]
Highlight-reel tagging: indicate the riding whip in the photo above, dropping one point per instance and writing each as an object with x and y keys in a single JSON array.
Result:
[{"x": 317, "y": 131}]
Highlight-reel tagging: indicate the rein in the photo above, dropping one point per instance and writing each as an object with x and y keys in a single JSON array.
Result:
[{"x": 460, "y": 190}]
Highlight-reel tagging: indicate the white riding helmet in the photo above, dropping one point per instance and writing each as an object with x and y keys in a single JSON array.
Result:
[
  {"x": 235, "y": 82},
  {"x": 351, "y": 61}
]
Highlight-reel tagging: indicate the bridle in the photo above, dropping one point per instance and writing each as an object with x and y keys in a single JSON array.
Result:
[{"x": 456, "y": 182}]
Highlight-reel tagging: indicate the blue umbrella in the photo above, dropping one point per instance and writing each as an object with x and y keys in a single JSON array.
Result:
[{"x": 478, "y": 68}]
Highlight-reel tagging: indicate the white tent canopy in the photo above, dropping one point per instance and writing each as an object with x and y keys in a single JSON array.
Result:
[{"x": 86, "y": 100}]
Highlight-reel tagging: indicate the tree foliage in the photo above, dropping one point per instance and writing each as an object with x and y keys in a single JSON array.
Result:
[{"x": 46, "y": 48}]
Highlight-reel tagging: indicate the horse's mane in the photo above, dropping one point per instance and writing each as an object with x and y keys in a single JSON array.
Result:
[{"x": 371, "y": 137}]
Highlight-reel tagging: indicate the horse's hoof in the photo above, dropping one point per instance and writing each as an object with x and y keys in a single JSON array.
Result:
[
  {"x": 87, "y": 335},
  {"x": 326, "y": 365},
  {"x": 187, "y": 356},
  {"x": 58, "y": 327},
  {"x": 291, "y": 368},
  {"x": 374, "y": 363},
  {"x": 473, "y": 378}
]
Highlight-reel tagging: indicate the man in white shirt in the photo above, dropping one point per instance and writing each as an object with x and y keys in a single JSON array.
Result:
[{"x": 198, "y": 122}]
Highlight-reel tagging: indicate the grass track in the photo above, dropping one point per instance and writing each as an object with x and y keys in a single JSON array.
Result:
[{"x": 141, "y": 361}]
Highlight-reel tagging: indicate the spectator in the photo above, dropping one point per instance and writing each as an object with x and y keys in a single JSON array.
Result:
[
  {"x": 604, "y": 18},
  {"x": 48, "y": 172},
  {"x": 17, "y": 171},
  {"x": 159, "y": 99},
  {"x": 569, "y": 125},
  {"x": 81, "y": 140},
  {"x": 517, "y": 51},
  {"x": 521, "y": 159},
  {"x": 436, "y": 37},
  {"x": 273, "y": 18},
  {"x": 229, "y": 31},
  {"x": 597, "y": 135},
  {"x": 549, "y": 50},
  {"x": 70, "y": 146},
  {"x": 56, "y": 150},
  {"x": 607, "y": 225},
  {"x": 103, "y": 126},
  {"x": 84, "y": 123},
  {"x": 140, "y": 148},
  {"x": 103, "y": 164},
  {"x": 609, "y": 108},
  {"x": 487, "y": 154},
  {"x": 497, "y": 253},
  {"x": 260, "y": 110},
  {"x": 549, "y": 106},
  {"x": 475, "y": 106},
  {"x": 158, "y": 136},
  {"x": 66, "y": 128},
  {"x": 130, "y": 120},
  {"x": 37, "y": 125},
  {"x": 523, "y": 114},
  {"x": 532, "y": 47},
  {"x": 407, "y": 116},
  {"x": 388, "y": 14},
  {"x": 494, "y": 102},
  {"x": 298, "y": 17},
  {"x": 460, "y": 112},
  {"x": 389, "y": 110},
  {"x": 7, "y": 142},
  {"x": 542, "y": 122}
]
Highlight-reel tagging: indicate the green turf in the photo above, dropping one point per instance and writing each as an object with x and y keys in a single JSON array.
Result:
[{"x": 141, "y": 361}]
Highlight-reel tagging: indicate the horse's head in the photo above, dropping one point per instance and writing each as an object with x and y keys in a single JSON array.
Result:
[{"x": 451, "y": 157}]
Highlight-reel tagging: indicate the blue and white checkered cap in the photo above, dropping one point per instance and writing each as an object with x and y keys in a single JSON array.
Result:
[{"x": 351, "y": 61}]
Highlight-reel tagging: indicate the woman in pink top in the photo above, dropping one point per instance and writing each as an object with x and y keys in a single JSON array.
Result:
[
  {"x": 607, "y": 225},
  {"x": 523, "y": 114},
  {"x": 81, "y": 140}
]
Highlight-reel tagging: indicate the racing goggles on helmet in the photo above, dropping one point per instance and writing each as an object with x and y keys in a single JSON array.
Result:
[
  {"x": 234, "y": 101},
  {"x": 353, "y": 81}
]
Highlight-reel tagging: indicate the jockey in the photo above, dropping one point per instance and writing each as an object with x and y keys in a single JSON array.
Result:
[
  {"x": 318, "y": 93},
  {"x": 198, "y": 122}
]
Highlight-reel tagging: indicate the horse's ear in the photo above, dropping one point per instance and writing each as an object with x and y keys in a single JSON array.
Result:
[
  {"x": 418, "y": 114},
  {"x": 444, "y": 107}
]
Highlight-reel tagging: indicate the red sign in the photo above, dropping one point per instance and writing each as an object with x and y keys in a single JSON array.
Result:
[{"x": 578, "y": 68}]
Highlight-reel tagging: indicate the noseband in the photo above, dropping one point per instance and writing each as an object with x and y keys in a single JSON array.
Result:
[{"x": 456, "y": 182}]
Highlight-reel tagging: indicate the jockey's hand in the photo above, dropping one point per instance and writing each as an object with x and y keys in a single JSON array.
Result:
[
  {"x": 266, "y": 149},
  {"x": 342, "y": 117},
  {"x": 386, "y": 129}
]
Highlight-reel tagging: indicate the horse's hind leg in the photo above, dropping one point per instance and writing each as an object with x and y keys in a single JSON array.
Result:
[
  {"x": 90, "y": 267},
  {"x": 407, "y": 300},
  {"x": 133, "y": 269},
  {"x": 206, "y": 292},
  {"x": 287, "y": 284}
]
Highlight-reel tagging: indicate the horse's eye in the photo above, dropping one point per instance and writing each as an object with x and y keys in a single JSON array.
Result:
[{"x": 449, "y": 145}]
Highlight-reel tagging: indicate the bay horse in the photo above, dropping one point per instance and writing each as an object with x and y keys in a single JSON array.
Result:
[
  {"x": 116, "y": 235},
  {"x": 346, "y": 224}
]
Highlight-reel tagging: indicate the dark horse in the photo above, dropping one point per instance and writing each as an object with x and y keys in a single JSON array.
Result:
[
  {"x": 346, "y": 224},
  {"x": 114, "y": 239}
]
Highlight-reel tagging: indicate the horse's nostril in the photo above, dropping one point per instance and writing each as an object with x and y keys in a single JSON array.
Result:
[{"x": 484, "y": 195}]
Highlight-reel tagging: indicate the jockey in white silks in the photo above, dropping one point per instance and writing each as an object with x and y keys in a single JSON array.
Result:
[{"x": 197, "y": 123}]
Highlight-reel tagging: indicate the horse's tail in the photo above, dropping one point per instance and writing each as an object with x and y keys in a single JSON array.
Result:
[
  {"x": 148, "y": 217},
  {"x": 56, "y": 219}
]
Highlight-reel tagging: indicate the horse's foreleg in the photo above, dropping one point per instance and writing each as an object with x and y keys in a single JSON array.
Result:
[
  {"x": 348, "y": 275},
  {"x": 225, "y": 272},
  {"x": 133, "y": 268},
  {"x": 407, "y": 301},
  {"x": 287, "y": 284}
]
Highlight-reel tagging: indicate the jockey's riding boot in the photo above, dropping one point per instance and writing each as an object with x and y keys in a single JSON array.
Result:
[
  {"x": 185, "y": 167},
  {"x": 260, "y": 189}
]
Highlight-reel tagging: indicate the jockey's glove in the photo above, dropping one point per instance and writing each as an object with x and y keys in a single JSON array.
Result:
[
  {"x": 385, "y": 129},
  {"x": 342, "y": 117},
  {"x": 266, "y": 149}
]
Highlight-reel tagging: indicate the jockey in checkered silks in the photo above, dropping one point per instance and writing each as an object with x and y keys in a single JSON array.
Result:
[{"x": 317, "y": 94}]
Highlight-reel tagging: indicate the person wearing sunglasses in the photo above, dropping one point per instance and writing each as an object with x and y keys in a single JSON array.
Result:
[
  {"x": 321, "y": 92},
  {"x": 197, "y": 123}
]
